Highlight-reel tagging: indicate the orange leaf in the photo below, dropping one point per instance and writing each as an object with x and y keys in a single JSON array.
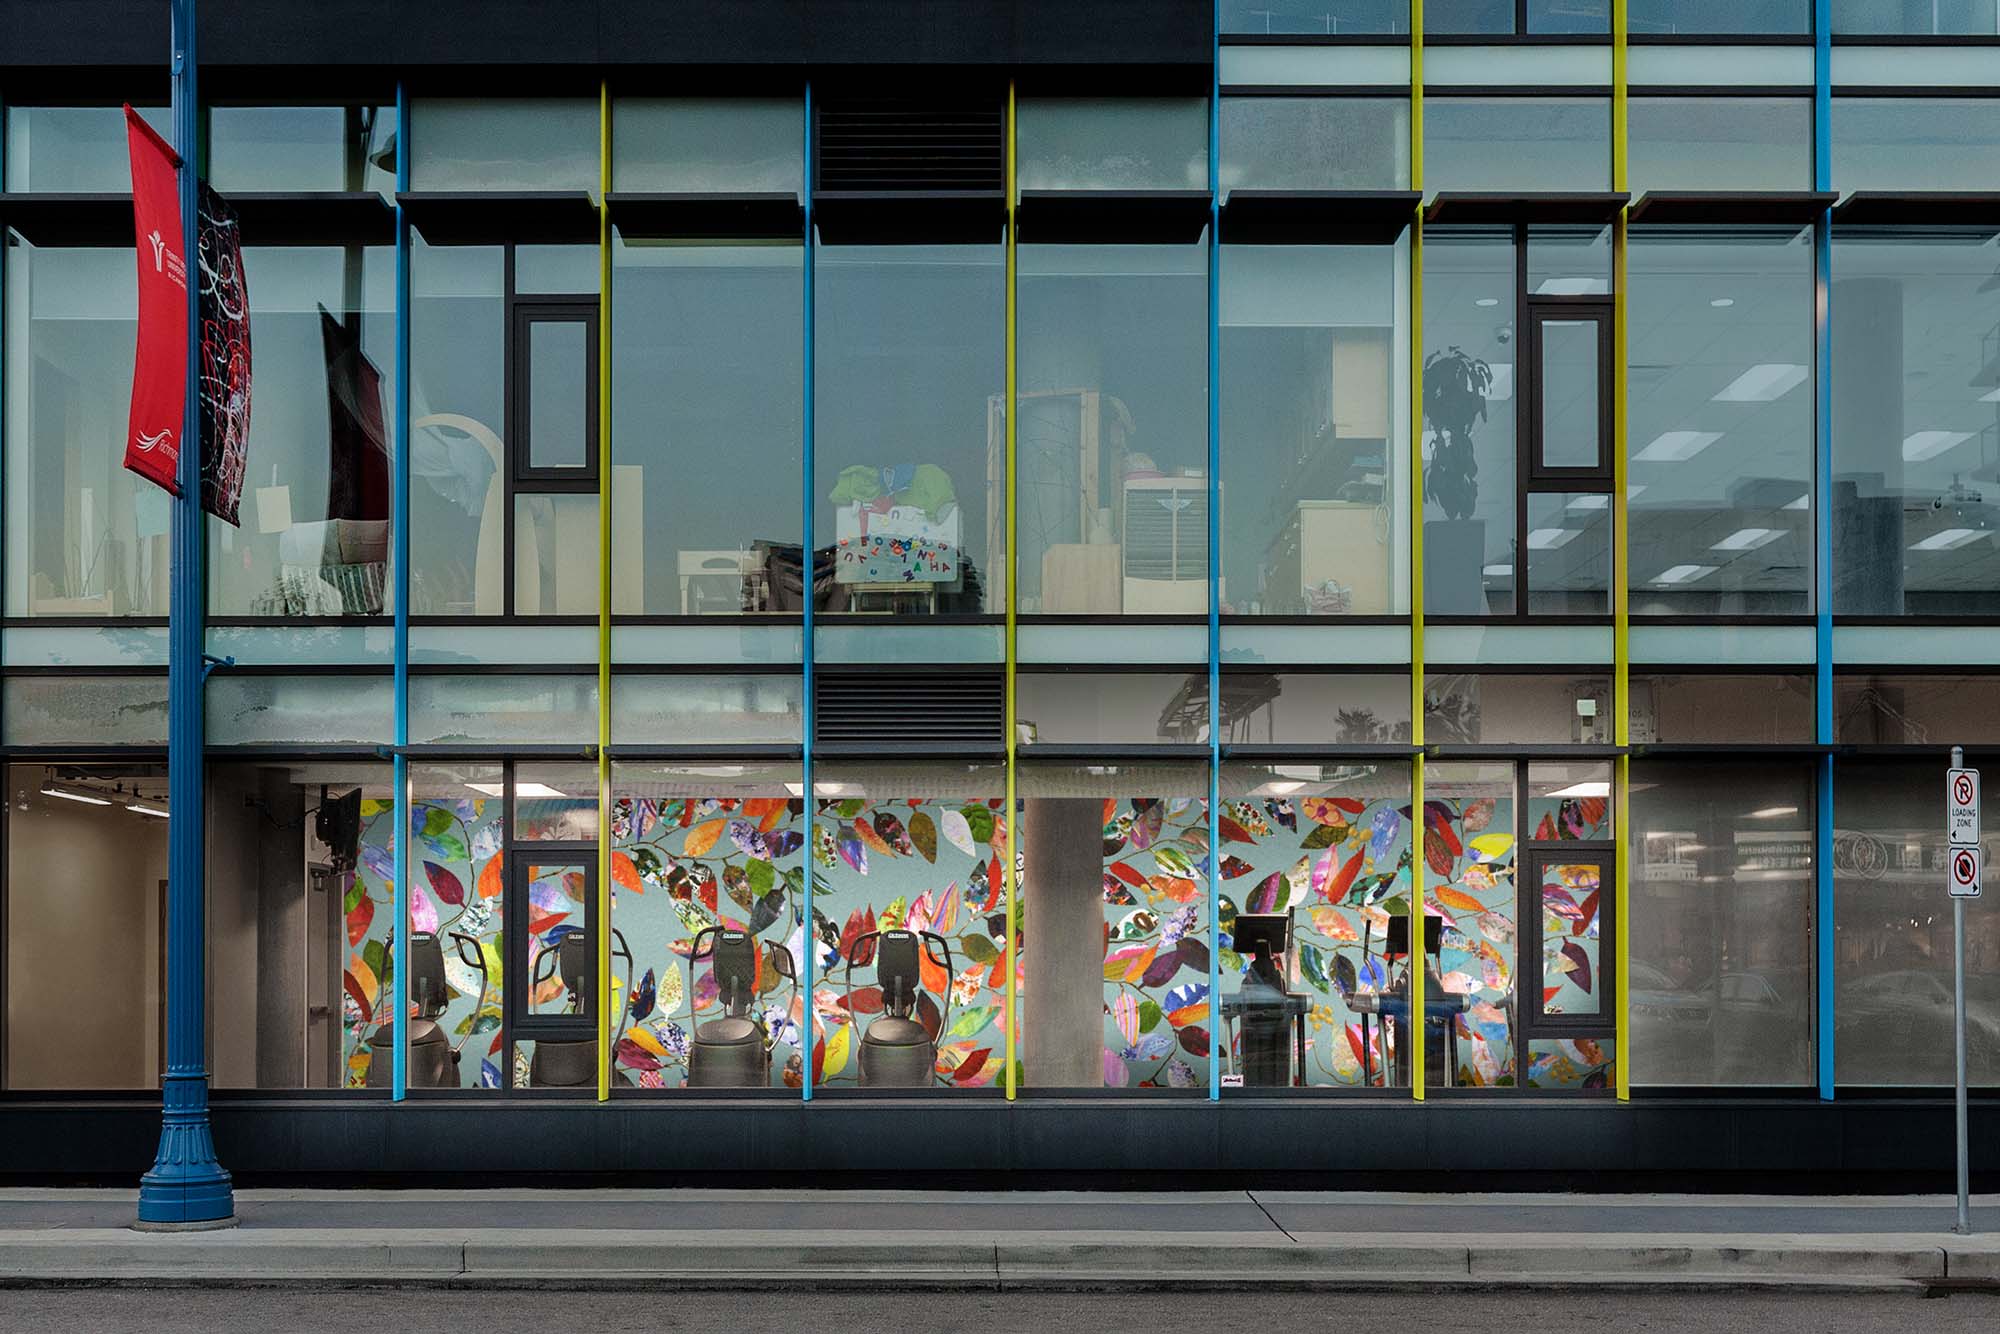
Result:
[
  {"x": 1178, "y": 888},
  {"x": 870, "y": 839},
  {"x": 625, "y": 875},
  {"x": 1456, "y": 899},
  {"x": 489, "y": 878},
  {"x": 702, "y": 837},
  {"x": 936, "y": 980}
]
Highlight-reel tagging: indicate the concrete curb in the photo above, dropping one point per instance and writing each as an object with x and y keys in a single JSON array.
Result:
[{"x": 613, "y": 1258}]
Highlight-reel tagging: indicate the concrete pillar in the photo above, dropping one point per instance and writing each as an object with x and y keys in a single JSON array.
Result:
[
  {"x": 1062, "y": 947},
  {"x": 1868, "y": 431}
]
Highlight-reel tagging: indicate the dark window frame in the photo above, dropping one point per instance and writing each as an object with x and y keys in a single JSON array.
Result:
[
  {"x": 517, "y": 1024},
  {"x": 1544, "y": 310},
  {"x": 1535, "y": 1020}
]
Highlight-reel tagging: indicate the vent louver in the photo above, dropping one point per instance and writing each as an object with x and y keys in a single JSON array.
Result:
[
  {"x": 910, "y": 146},
  {"x": 908, "y": 710}
]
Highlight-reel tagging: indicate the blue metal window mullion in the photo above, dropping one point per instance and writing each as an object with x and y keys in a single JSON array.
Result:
[
  {"x": 1219, "y": 1034},
  {"x": 1823, "y": 923},
  {"x": 807, "y": 1020},
  {"x": 400, "y": 525}
]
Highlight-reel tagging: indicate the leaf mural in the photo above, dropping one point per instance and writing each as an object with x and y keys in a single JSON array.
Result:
[
  {"x": 448, "y": 888},
  {"x": 644, "y": 997},
  {"x": 358, "y": 918},
  {"x": 957, "y": 832},
  {"x": 893, "y": 834},
  {"x": 923, "y": 836},
  {"x": 1455, "y": 899},
  {"x": 703, "y": 837},
  {"x": 1579, "y": 970}
]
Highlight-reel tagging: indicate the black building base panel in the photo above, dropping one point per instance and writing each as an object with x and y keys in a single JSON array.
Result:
[{"x": 1689, "y": 1144}]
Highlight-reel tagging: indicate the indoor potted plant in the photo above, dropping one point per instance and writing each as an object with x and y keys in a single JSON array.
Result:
[{"x": 1455, "y": 388}]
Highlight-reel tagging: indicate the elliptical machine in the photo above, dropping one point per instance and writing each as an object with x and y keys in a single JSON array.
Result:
[
  {"x": 897, "y": 1051},
  {"x": 433, "y": 1057},
  {"x": 733, "y": 1050},
  {"x": 1263, "y": 1005},
  {"x": 565, "y": 1063}
]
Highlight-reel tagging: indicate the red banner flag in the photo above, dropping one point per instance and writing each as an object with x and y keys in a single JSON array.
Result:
[{"x": 159, "y": 371}]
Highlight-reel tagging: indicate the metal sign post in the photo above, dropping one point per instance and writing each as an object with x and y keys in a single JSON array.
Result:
[{"x": 1963, "y": 855}]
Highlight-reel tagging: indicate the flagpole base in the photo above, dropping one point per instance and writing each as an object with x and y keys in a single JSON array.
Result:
[{"x": 187, "y": 1187}]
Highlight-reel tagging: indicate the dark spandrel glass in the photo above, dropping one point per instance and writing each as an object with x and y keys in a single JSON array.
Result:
[
  {"x": 1337, "y": 18},
  {"x": 1899, "y": 709},
  {"x": 1569, "y": 16},
  {"x": 1511, "y": 144},
  {"x": 1916, "y": 18},
  {"x": 1709, "y": 17},
  {"x": 74, "y": 150},
  {"x": 503, "y": 144},
  {"x": 1914, "y": 432},
  {"x": 1315, "y": 143},
  {"x": 1914, "y": 143},
  {"x": 1721, "y": 143},
  {"x": 1112, "y": 451},
  {"x": 1892, "y": 982},
  {"x": 1721, "y": 430},
  {"x": 1488, "y": 707},
  {"x": 1760, "y": 709},
  {"x": 1106, "y": 143},
  {"x": 708, "y": 144},
  {"x": 910, "y": 445},
  {"x": 1453, "y": 17}
]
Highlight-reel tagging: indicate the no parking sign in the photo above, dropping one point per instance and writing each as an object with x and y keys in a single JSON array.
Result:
[{"x": 1965, "y": 873}]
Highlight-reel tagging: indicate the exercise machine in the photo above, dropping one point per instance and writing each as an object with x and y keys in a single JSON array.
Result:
[
  {"x": 734, "y": 1049},
  {"x": 560, "y": 1062},
  {"x": 433, "y": 1057},
  {"x": 897, "y": 1051},
  {"x": 1262, "y": 1005}
]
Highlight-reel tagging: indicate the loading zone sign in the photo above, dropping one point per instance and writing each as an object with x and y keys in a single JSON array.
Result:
[
  {"x": 1965, "y": 873},
  {"x": 1961, "y": 821}
]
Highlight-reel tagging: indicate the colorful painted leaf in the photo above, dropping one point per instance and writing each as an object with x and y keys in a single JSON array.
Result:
[
  {"x": 1130, "y": 963},
  {"x": 1116, "y": 1075},
  {"x": 766, "y": 911},
  {"x": 361, "y": 984},
  {"x": 957, "y": 832},
  {"x": 1438, "y": 854},
  {"x": 978, "y": 822},
  {"x": 1124, "y": 871},
  {"x": 1267, "y": 895},
  {"x": 1559, "y": 902},
  {"x": 703, "y": 837},
  {"x": 644, "y": 997},
  {"x": 1579, "y": 969},
  {"x": 837, "y": 1046},
  {"x": 1477, "y": 815},
  {"x": 978, "y": 948},
  {"x": 1147, "y": 819},
  {"x": 1383, "y": 831},
  {"x": 1177, "y": 888},
  {"x": 1492, "y": 847},
  {"x": 1193, "y": 1040},
  {"x": 444, "y": 884},
  {"x": 854, "y": 854},
  {"x": 1456, "y": 899},
  {"x": 892, "y": 834},
  {"x": 923, "y": 835},
  {"x": 1333, "y": 923},
  {"x": 1232, "y": 831},
  {"x": 1172, "y": 861},
  {"x": 969, "y": 1070},
  {"x": 1125, "y": 1016},
  {"x": 358, "y": 919}
]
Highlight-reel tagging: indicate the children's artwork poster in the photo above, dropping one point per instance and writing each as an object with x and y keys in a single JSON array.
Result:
[{"x": 897, "y": 546}]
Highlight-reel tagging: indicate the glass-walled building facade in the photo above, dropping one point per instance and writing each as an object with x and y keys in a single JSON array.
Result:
[{"x": 1345, "y": 571}]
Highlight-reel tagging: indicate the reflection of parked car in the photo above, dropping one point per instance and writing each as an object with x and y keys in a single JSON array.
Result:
[
  {"x": 1671, "y": 1042},
  {"x": 1761, "y": 1032},
  {"x": 1900, "y": 1023}
]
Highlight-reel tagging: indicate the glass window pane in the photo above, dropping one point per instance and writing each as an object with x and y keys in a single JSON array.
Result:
[
  {"x": 555, "y": 270},
  {"x": 299, "y": 922},
  {"x": 85, "y": 918},
  {"x": 558, "y": 393},
  {"x": 555, "y": 803},
  {"x": 1468, "y": 393},
  {"x": 1463, "y": 16},
  {"x": 1312, "y": 431},
  {"x": 1329, "y": 17},
  {"x": 1571, "y": 966},
  {"x": 1721, "y": 429},
  {"x": 705, "y": 710},
  {"x": 315, "y": 537},
  {"x": 1569, "y": 553},
  {"x": 1569, "y": 801},
  {"x": 699, "y": 848},
  {"x": 1115, "y": 974},
  {"x": 1914, "y": 424},
  {"x": 1308, "y": 708},
  {"x": 1896, "y": 709},
  {"x": 1324, "y": 849},
  {"x": 83, "y": 710},
  {"x": 917, "y": 848},
  {"x": 1721, "y": 143},
  {"x": 74, "y": 150},
  {"x": 1517, "y": 707},
  {"x": 708, "y": 144},
  {"x": 555, "y": 555},
  {"x": 1893, "y": 925},
  {"x": 1750, "y": 709},
  {"x": 245, "y": 709},
  {"x": 1315, "y": 143},
  {"x": 1125, "y": 143},
  {"x": 1703, "y": 17},
  {"x": 1569, "y": 16},
  {"x": 458, "y": 460},
  {"x": 1721, "y": 980},
  {"x": 302, "y": 148},
  {"x": 1571, "y": 408},
  {"x": 1916, "y": 18},
  {"x": 553, "y": 709},
  {"x": 1517, "y": 143},
  {"x": 1914, "y": 143},
  {"x": 1470, "y": 979},
  {"x": 707, "y": 365},
  {"x": 1112, "y": 452},
  {"x": 1145, "y": 707},
  {"x": 85, "y": 537},
  {"x": 494, "y": 144},
  {"x": 1569, "y": 261},
  {"x": 458, "y": 950},
  {"x": 910, "y": 401}
]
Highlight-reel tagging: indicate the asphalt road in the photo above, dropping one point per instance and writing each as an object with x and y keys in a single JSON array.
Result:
[{"x": 88, "y": 1311}]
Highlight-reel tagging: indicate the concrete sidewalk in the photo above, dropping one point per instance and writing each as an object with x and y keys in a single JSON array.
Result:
[{"x": 1060, "y": 1240}]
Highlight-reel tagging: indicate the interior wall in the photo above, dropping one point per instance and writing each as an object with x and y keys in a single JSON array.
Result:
[{"x": 83, "y": 941}]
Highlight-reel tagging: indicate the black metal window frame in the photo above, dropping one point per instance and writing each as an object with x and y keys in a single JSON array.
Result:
[
  {"x": 1535, "y": 1019},
  {"x": 517, "y": 1022},
  {"x": 1543, "y": 311}
]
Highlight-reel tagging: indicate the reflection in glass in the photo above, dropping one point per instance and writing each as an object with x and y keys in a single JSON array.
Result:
[
  {"x": 1916, "y": 18},
  {"x": 1721, "y": 986},
  {"x": 1471, "y": 1011},
  {"x": 1468, "y": 16},
  {"x": 1468, "y": 392},
  {"x": 1315, "y": 143},
  {"x": 458, "y": 459},
  {"x": 457, "y": 922},
  {"x": 705, "y": 429},
  {"x": 1569, "y": 801},
  {"x": 1750, "y": 709},
  {"x": 558, "y": 393},
  {"x": 1487, "y": 708},
  {"x": 1517, "y": 143},
  {"x": 555, "y": 555},
  {"x": 1706, "y": 17},
  {"x": 1721, "y": 425},
  {"x": 1916, "y": 424},
  {"x": 1721, "y": 143},
  {"x": 1569, "y": 552},
  {"x": 1112, "y": 449},
  {"x": 315, "y": 537},
  {"x": 499, "y": 144},
  {"x": 1126, "y": 143},
  {"x": 74, "y": 150},
  {"x": 302, "y": 148},
  {"x": 910, "y": 449},
  {"x": 1914, "y": 143},
  {"x": 1901, "y": 709},
  {"x": 1569, "y": 16},
  {"x": 1311, "y": 431},
  {"x": 707, "y": 144},
  {"x": 1329, "y": 17}
]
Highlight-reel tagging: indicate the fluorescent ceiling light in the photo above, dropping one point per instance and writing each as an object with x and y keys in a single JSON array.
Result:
[
  {"x": 70, "y": 793},
  {"x": 1681, "y": 574},
  {"x": 1929, "y": 444},
  {"x": 1545, "y": 539},
  {"x": 1762, "y": 383},
  {"x": 1496, "y": 570},
  {"x": 1571, "y": 287},
  {"x": 1587, "y": 788},
  {"x": 1947, "y": 539},
  {"x": 1723, "y": 302},
  {"x": 1676, "y": 446},
  {"x": 145, "y": 808},
  {"x": 520, "y": 789},
  {"x": 1588, "y": 503},
  {"x": 1487, "y": 301},
  {"x": 1804, "y": 502},
  {"x": 1281, "y": 789},
  {"x": 1747, "y": 539},
  {"x": 1774, "y": 812},
  {"x": 829, "y": 789}
]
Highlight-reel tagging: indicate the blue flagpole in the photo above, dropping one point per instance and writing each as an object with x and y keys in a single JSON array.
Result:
[
  {"x": 187, "y": 1186},
  {"x": 807, "y": 1021},
  {"x": 399, "y": 1083}
]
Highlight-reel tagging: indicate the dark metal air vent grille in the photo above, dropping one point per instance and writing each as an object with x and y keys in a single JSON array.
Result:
[
  {"x": 909, "y": 710},
  {"x": 881, "y": 146}
]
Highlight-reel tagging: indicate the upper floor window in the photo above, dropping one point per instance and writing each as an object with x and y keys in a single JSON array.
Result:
[
  {"x": 74, "y": 150},
  {"x": 496, "y": 144},
  {"x": 302, "y": 148},
  {"x": 1325, "y": 18},
  {"x": 1916, "y": 18}
]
